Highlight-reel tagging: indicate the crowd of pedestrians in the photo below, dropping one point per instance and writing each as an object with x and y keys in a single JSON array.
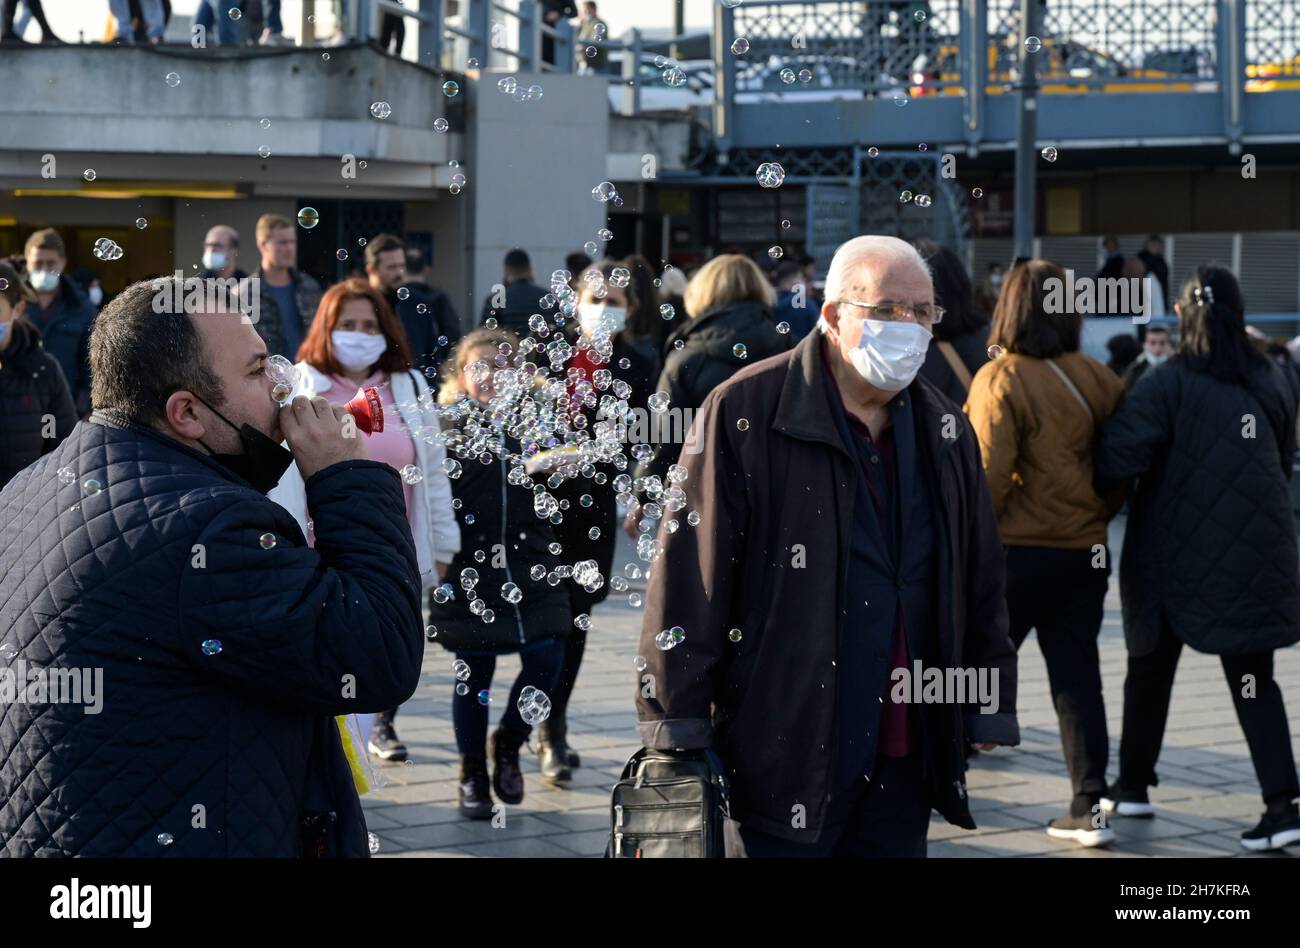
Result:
[{"x": 911, "y": 469}]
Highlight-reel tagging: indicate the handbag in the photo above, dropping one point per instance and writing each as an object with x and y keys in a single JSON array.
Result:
[{"x": 669, "y": 805}]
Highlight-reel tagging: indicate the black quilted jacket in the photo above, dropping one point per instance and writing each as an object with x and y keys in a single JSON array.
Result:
[
  {"x": 1211, "y": 537},
  {"x": 33, "y": 392},
  {"x": 221, "y": 750}
]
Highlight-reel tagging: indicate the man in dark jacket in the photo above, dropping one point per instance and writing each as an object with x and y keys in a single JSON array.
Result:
[
  {"x": 431, "y": 323},
  {"x": 212, "y": 646},
  {"x": 516, "y": 298},
  {"x": 1153, "y": 256},
  {"x": 846, "y": 552},
  {"x": 60, "y": 311},
  {"x": 794, "y": 303},
  {"x": 288, "y": 297}
]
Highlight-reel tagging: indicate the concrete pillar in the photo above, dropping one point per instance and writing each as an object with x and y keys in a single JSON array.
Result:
[{"x": 532, "y": 167}]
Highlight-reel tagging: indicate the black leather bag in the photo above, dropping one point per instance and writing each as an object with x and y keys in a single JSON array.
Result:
[{"x": 669, "y": 805}]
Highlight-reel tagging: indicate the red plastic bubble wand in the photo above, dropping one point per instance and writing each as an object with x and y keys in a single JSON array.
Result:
[{"x": 368, "y": 411}]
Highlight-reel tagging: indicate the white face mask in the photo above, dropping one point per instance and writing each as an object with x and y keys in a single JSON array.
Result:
[
  {"x": 44, "y": 281},
  {"x": 96, "y": 295},
  {"x": 1157, "y": 359},
  {"x": 214, "y": 259},
  {"x": 596, "y": 316},
  {"x": 889, "y": 354},
  {"x": 358, "y": 351}
]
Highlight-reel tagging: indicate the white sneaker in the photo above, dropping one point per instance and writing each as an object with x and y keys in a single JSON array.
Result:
[{"x": 1134, "y": 808}]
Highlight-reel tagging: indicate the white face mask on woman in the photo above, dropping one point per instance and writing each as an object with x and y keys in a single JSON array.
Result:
[
  {"x": 595, "y": 316},
  {"x": 357, "y": 351},
  {"x": 889, "y": 354}
]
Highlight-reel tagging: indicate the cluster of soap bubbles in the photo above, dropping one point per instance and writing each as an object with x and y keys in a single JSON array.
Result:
[
  {"x": 381, "y": 110},
  {"x": 770, "y": 174},
  {"x": 508, "y": 85},
  {"x": 106, "y": 249},
  {"x": 606, "y": 193},
  {"x": 534, "y": 706}
]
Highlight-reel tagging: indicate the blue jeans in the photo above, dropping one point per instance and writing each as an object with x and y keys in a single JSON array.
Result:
[
  {"x": 152, "y": 10},
  {"x": 215, "y": 11}
]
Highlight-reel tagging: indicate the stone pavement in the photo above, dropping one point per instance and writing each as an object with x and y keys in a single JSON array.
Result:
[{"x": 1207, "y": 794}]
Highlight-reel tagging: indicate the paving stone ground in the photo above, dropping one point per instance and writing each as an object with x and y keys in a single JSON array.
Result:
[{"x": 1207, "y": 793}]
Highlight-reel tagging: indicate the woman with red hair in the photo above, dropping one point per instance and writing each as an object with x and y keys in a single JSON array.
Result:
[{"x": 354, "y": 342}]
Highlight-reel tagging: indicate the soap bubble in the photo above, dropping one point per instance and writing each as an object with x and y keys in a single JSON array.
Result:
[
  {"x": 995, "y": 351},
  {"x": 511, "y": 593},
  {"x": 440, "y": 124},
  {"x": 1033, "y": 44},
  {"x": 450, "y": 88},
  {"x": 666, "y": 311},
  {"x": 873, "y": 152},
  {"x": 412, "y": 474},
  {"x": 740, "y": 351},
  {"x": 923, "y": 200},
  {"x": 66, "y": 475},
  {"x": 381, "y": 110},
  {"x": 141, "y": 223},
  {"x": 165, "y": 839},
  {"x": 603, "y": 192},
  {"x": 211, "y": 647},
  {"x": 775, "y": 252},
  {"x": 740, "y": 46},
  {"x": 267, "y": 541},
  {"x": 264, "y": 151},
  {"x": 977, "y": 193},
  {"x": 265, "y": 123},
  {"x": 173, "y": 79},
  {"x": 372, "y": 843},
  {"x": 788, "y": 76},
  {"x": 742, "y": 424},
  {"x": 1049, "y": 153},
  {"x": 460, "y": 668},
  {"x": 285, "y": 379},
  {"x": 90, "y": 487},
  {"x": 783, "y": 327},
  {"x": 770, "y": 174},
  {"x": 904, "y": 196},
  {"x": 308, "y": 218},
  {"x": 484, "y": 697}
]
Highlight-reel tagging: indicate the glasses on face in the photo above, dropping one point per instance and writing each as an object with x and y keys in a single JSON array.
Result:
[{"x": 923, "y": 314}]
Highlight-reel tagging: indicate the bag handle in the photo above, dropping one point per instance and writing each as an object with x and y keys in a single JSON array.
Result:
[
  {"x": 956, "y": 364},
  {"x": 1073, "y": 390}
]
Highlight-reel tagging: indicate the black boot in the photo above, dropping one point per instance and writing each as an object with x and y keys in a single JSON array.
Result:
[
  {"x": 507, "y": 778},
  {"x": 475, "y": 797},
  {"x": 551, "y": 752}
]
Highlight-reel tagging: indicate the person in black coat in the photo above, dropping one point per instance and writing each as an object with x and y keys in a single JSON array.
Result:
[
  {"x": 431, "y": 323},
  {"x": 608, "y": 326},
  {"x": 502, "y": 594},
  {"x": 960, "y": 344},
  {"x": 516, "y": 298},
  {"x": 730, "y": 304},
  {"x": 1210, "y": 557},
  {"x": 218, "y": 647},
  {"x": 36, "y": 410}
]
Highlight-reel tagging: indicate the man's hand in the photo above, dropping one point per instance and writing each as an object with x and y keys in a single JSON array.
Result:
[
  {"x": 985, "y": 747},
  {"x": 632, "y": 522},
  {"x": 314, "y": 429},
  {"x": 441, "y": 569}
]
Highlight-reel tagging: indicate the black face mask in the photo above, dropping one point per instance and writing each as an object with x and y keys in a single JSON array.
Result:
[{"x": 263, "y": 462}]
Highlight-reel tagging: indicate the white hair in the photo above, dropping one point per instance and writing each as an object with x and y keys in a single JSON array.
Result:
[{"x": 869, "y": 250}]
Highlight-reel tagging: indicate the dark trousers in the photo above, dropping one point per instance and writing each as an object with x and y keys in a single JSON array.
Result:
[
  {"x": 575, "y": 644},
  {"x": 887, "y": 817},
  {"x": 541, "y": 669},
  {"x": 1061, "y": 595},
  {"x": 1147, "y": 689}
]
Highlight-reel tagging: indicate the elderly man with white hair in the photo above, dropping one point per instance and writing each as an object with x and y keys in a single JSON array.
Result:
[{"x": 838, "y": 619}]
